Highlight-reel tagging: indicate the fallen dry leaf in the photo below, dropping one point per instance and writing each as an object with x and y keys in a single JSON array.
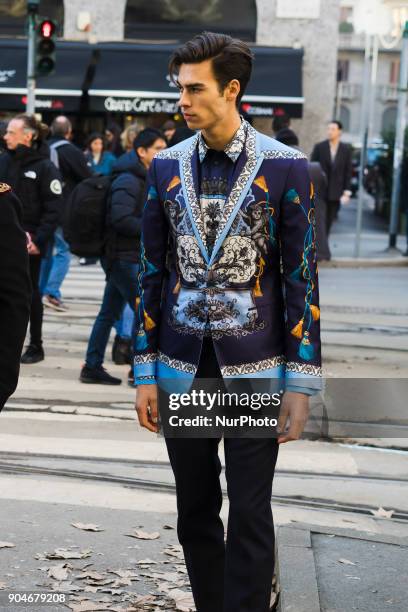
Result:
[
  {"x": 87, "y": 526},
  {"x": 58, "y": 572},
  {"x": 346, "y": 561},
  {"x": 7, "y": 545},
  {"x": 65, "y": 553},
  {"x": 144, "y": 535},
  {"x": 88, "y": 606},
  {"x": 381, "y": 513},
  {"x": 183, "y": 600}
]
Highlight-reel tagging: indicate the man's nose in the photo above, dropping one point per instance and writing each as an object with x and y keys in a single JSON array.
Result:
[{"x": 184, "y": 100}]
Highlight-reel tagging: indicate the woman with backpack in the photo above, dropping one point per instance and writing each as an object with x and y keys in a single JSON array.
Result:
[{"x": 37, "y": 183}]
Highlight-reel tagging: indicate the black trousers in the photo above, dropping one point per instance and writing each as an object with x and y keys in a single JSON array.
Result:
[
  {"x": 36, "y": 314},
  {"x": 236, "y": 575},
  {"x": 333, "y": 208}
]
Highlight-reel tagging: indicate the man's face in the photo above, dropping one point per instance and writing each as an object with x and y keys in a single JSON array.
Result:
[
  {"x": 201, "y": 102},
  {"x": 16, "y": 135},
  {"x": 333, "y": 131},
  {"x": 146, "y": 154}
]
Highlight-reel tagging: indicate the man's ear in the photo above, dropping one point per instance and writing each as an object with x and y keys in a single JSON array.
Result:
[{"x": 233, "y": 88}]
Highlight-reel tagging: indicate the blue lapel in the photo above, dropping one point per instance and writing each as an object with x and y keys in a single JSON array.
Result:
[{"x": 189, "y": 180}]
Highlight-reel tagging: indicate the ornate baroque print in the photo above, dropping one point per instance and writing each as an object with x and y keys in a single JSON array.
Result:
[
  {"x": 145, "y": 358},
  {"x": 177, "y": 364},
  {"x": 303, "y": 368},
  {"x": 252, "y": 368},
  {"x": 284, "y": 155}
]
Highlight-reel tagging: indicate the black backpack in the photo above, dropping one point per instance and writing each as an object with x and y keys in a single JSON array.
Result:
[{"x": 84, "y": 223}]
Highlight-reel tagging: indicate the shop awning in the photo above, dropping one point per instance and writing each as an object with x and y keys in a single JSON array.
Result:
[
  {"x": 60, "y": 91},
  {"x": 133, "y": 78}
]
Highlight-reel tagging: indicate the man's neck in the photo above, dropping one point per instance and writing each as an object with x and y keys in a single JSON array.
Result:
[
  {"x": 334, "y": 142},
  {"x": 218, "y": 136}
]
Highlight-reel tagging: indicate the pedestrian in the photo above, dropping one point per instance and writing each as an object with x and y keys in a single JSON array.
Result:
[
  {"x": 335, "y": 160},
  {"x": 15, "y": 290},
  {"x": 37, "y": 183},
  {"x": 226, "y": 211},
  {"x": 319, "y": 180},
  {"x": 121, "y": 261},
  {"x": 100, "y": 159},
  {"x": 128, "y": 135},
  {"x": 73, "y": 168},
  {"x": 169, "y": 128},
  {"x": 112, "y": 138}
]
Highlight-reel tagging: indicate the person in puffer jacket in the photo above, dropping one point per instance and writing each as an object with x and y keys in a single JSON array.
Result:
[{"x": 121, "y": 259}]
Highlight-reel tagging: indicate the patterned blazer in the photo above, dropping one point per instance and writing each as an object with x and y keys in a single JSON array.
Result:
[{"x": 256, "y": 293}]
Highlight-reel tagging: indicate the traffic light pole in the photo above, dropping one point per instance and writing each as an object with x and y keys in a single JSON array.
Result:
[
  {"x": 399, "y": 141},
  {"x": 30, "y": 106}
]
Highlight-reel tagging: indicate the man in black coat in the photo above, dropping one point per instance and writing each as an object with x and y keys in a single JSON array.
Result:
[
  {"x": 15, "y": 291},
  {"x": 334, "y": 158},
  {"x": 74, "y": 168}
]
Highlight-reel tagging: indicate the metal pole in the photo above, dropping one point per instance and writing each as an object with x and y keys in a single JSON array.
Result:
[
  {"x": 374, "y": 70},
  {"x": 365, "y": 105},
  {"x": 30, "y": 106},
  {"x": 399, "y": 141}
]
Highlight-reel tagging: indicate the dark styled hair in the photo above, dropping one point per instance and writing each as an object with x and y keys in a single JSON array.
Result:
[
  {"x": 38, "y": 129},
  {"x": 96, "y": 136},
  {"x": 231, "y": 58},
  {"x": 147, "y": 137},
  {"x": 287, "y": 137},
  {"x": 338, "y": 123}
]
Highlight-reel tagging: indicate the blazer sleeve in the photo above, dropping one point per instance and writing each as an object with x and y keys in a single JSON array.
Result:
[
  {"x": 15, "y": 294},
  {"x": 300, "y": 282},
  {"x": 315, "y": 157},
  {"x": 348, "y": 171},
  {"x": 152, "y": 271}
]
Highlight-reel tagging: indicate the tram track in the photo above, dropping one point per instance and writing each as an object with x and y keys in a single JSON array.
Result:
[{"x": 158, "y": 486}]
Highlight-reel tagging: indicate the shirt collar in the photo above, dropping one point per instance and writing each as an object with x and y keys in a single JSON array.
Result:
[{"x": 233, "y": 149}]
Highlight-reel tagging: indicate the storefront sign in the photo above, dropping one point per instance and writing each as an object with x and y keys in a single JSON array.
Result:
[
  {"x": 45, "y": 104},
  {"x": 5, "y": 75},
  {"x": 298, "y": 9},
  {"x": 140, "y": 105}
]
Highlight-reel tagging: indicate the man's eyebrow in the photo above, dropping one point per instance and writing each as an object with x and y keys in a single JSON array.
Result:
[{"x": 189, "y": 85}]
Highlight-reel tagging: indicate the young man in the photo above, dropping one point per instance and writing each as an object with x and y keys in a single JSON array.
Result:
[
  {"x": 334, "y": 157},
  {"x": 121, "y": 261},
  {"x": 225, "y": 210}
]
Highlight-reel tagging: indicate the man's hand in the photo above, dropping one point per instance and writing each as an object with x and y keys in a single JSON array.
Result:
[
  {"x": 146, "y": 406},
  {"x": 295, "y": 407},
  {"x": 33, "y": 249},
  {"x": 345, "y": 198}
]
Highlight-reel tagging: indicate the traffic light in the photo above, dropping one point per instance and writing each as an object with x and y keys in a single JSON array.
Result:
[{"x": 45, "y": 48}]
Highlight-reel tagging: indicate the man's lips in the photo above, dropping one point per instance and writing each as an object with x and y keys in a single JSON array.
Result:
[{"x": 187, "y": 116}]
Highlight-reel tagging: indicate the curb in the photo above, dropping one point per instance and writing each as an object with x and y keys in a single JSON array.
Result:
[
  {"x": 365, "y": 262},
  {"x": 295, "y": 564}
]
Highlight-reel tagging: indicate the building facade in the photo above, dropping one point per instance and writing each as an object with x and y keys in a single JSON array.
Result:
[
  {"x": 350, "y": 70},
  {"x": 308, "y": 26}
]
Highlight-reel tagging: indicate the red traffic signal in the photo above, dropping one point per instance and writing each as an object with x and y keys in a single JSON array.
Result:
[{"x": 47, "y": 29}]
